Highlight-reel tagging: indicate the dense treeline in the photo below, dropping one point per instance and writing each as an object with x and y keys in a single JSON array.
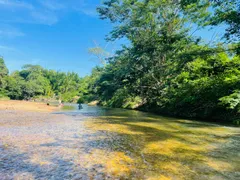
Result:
[
  {"x": 35, "y": 82},
  {"x": 166, "y": 69}
]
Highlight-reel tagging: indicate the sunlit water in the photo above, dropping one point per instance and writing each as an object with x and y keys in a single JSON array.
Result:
[{"x": 103, "y": 143}]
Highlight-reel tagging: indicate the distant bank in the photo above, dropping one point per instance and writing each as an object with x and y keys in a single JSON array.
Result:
[{"x": 26, "y": 106}]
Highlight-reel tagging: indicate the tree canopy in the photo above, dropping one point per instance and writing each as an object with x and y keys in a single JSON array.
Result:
[
  {"x": 34, "y": 81},
  {"x": 166, "y": 69}
]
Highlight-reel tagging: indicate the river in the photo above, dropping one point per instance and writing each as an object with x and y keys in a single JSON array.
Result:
[{"x": 103, "y": 143}]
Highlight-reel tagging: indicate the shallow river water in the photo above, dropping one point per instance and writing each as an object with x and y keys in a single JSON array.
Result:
[{"x": 101, "y": 143}]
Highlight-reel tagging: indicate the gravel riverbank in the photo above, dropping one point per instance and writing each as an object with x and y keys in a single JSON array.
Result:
[
  {"x": 26, "y": 106},
  {"x": 37, "y": 145}
]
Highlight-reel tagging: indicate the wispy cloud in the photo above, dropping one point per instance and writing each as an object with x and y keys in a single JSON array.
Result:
[
  {"x": 87, "y": 7},
  {"x": 13, "y": 11},
  {"x": 15, "y": 4},
  {"x": 46, "y": 12},
  {"x": 10, "y": 34}
]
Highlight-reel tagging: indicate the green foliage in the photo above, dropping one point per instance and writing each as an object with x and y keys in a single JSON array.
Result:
[
  {"x": 3, "y": 76},
  {"x": 232, "y": 101},
  {"x": 205, "y": 88},
  {"x": 88, "y": 89},
  {"x": 33, "y": 81},
  {"x": 119, "y": 98},
  {"x": 227, "y": 12},
  {"x": 15, "y": 86},
  {"x": 3, "y": 68},
  {"x": 65, "y": 85},
  {"x": 165, "y": 69}
]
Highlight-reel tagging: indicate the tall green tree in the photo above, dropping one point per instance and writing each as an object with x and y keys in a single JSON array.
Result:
[
  {"x": 36, "y": 81},
  {"x": 3, "y": 75},
  {"x": 3, "y": 68},
  {"x": 166, "y": 69},
  {"x": 158, "y": 35},
  {"x": 15, "y": 86}
]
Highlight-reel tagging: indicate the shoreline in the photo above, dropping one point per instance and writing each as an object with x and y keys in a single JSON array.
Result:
[{"x": 28, "y": 106}]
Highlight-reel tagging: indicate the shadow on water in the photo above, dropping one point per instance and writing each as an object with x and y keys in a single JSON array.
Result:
[
  {"x": 164, "y": 147},
  {"x": 124, "y": 144}
]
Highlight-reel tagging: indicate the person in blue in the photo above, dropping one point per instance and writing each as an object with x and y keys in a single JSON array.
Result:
[{"x": 80, "y": 106}]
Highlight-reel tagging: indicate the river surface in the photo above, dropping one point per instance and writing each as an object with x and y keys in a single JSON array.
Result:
[{"x": 102, "y": 143}]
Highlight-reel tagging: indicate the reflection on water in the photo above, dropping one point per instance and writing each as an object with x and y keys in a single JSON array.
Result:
[
  {"x": 104, "y": 143},
  {"x": 73, "y": 109}
]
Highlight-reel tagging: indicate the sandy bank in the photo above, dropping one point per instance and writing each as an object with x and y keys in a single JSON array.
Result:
[{"x": 26, "y": 106}]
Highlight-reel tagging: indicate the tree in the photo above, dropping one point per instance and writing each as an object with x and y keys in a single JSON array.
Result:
[
  {"x": 15, "y": 86},
  {"x": 158, "y": 35},
  {"x": 228, "y": 12},
  {"x": 3, "y": 75},
  {"x": 165, "y": 68},
  {"x": 3, "y": 68},
  {"x": 33, "y": 81},
  {"x": 36, "y": 81}
]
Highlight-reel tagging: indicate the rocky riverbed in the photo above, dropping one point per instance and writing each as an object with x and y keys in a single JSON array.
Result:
[{"x": 98, "y": 143}]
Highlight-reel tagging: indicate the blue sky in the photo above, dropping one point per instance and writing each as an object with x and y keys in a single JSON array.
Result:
[{"x": 53, "y": 33}]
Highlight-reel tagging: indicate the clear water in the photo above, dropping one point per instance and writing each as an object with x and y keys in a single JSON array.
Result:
[
  {"x": 105, "y": 143},
  {"x": 147, "y": 146}
]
